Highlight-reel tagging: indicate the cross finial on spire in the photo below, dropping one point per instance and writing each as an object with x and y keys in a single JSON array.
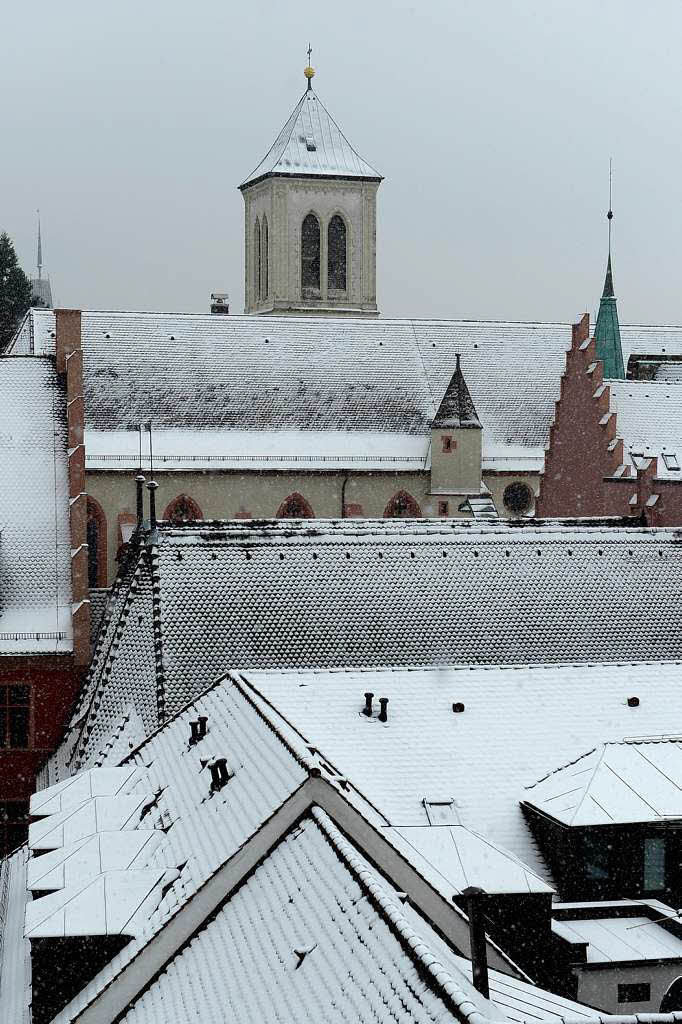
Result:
[
  {"x": 609, "y": 215},
  {"x": 309, "y": 72}
]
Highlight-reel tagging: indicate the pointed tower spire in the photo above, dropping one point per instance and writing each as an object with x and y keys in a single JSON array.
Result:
[
  {"x": 457, "y": 407},
  {"x": 607, "y": 330},
  {"x": 40, "y": 251}
]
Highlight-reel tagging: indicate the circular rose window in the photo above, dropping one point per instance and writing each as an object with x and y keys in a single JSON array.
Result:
[{"x": 517, "y": 498}]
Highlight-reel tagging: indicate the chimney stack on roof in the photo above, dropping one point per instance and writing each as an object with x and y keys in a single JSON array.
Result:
[
  {"x": 383, "y": 714},
  {"x": 219, "y": 773},
  {"x": 367, "y": 710},
  {"x": 479, "y": 954}
]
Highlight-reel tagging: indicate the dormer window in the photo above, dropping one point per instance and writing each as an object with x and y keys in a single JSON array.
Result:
[
  {"x": 310, "y": 144},
  {"x": 671, "y": 461}
]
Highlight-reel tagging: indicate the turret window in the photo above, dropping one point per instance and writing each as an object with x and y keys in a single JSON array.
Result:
[
  {"x": 310, "y": 257},
  {"x": 336, "y": 254}
]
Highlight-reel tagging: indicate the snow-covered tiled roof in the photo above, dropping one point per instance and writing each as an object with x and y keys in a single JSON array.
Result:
[
  {"x": 618, "y": 939},
  {"x": 206, "y": 598},
  {"x": 649, "y": 420},
  {"x": 517, "y": 723},
  {"x": 35, "y": 545},
  {"x": 196, "y": 373},
  {"x": 616, "y": 783},
  {"x": 311, "y": 143},
  {"x": 307, "y": 933},
  {"x": 15, "y": 956}
]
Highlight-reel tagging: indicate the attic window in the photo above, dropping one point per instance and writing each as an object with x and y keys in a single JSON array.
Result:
[
  {"x": 441, "y": 812},
  {"x": 448, "y": 443},
  {"x": 310, "y": 144},
  {"x": 671, "y": 461}
]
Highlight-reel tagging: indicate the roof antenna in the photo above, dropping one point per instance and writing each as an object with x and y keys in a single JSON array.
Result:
[
  {"x": 152, "y": 484},
  {"x": 309, "y": 72},
  {"x": 139, "y": 484}
]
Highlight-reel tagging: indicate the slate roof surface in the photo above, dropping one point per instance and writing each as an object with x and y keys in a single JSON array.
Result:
[
  {"x": 284, "y": 594},
  {"x": 538, "y": 716},
  {"x": 616, "y": 783},
  {"x": 649, "y": 420},
  {"x": 311, "y": 143},
  {"x": 35, "y": 545}
]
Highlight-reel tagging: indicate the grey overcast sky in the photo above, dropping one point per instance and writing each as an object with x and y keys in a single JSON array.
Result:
[{"x": 130, "y": 125}]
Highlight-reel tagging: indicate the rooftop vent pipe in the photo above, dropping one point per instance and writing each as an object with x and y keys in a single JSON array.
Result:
[
  {"x": 479, "y": 954},
  {"x": 367, "y": 710},
  {"x": 383, "y": 714},
  {"x": 139, "y": 485},
  {"x": 219, "y": 773},
  {"x": 633, "y": 702},
  {"x": 458, "y": 707}
]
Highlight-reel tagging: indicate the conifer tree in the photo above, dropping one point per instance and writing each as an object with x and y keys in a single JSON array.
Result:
[{"x": 15, "y": 291}]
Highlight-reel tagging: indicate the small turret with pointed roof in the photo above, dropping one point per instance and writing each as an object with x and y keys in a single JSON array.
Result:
[
  {"x": 457, "y": 406},
  {"x": 607, "y": 330},
  {"x": 310, "y": 219}
]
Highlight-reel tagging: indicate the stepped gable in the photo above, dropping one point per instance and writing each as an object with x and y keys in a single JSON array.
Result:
[{"x": 196, "y": 601}]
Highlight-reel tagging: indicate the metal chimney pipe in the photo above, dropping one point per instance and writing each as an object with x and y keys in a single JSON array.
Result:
[
  {"x": 151, "y": 487},
  {"x": 367, "y": 710},
  {"x": 479, "y": 953},
  {"x": 222, "y": 769},
  {"x": 218, "y": 772},
  {"x": 203, "y": 719},
  {"x": 383, "y": 714},
  {"x": 194, "y": 726},
  {"x": 139, "y": 484}
]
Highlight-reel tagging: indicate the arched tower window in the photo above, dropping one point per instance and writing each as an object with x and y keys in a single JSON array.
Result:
[
  {"x": 402, "y": 506},
  {"x": 336, "y": 254},
  {"x": 97, "y": 544},
  {"x": 256, "y": 260},
  {"x": 264, "y": 283},
  {"x": 310, "y": 257},
  {"x": 182, "y": 510},
  {"x": 295, "y": 507}
]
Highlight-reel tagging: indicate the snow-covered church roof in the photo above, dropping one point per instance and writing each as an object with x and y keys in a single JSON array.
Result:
[{"x": 311, "y": 143}]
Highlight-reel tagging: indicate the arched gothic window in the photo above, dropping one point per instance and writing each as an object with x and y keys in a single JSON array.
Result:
[
  {"x": 97, "y": 544},
  {"x": 336, "y": 254},
  {"x": 402, "y": 506},
  {"x": 310, "y": 257},
  {"x": 264, "y": 283},
  {"x": 256, "y": 260},
  {"x": 295, "y": 507},
  {"x": 182, "y": 510}
]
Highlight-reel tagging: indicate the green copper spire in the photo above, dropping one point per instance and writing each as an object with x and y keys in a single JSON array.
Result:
[{"x": 607, "y": 331}]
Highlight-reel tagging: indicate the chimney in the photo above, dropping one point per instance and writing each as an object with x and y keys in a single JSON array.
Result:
[
  {"x": 139, "y": 485},
  {"x": 383, "y": 714},
  {"x": 194, "y": 730},
  {"x": 203, "y": 720},
  {"x": 219, "y": 773},
  {"x": 151, "y": 487},
  {"x": 479, "y": 955},
  {"x": 367, "y": 710}
]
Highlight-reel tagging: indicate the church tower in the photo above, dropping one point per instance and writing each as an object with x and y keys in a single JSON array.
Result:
[
  {"x": 607, "y": 330},
  {"x": 310, "y": 220}
]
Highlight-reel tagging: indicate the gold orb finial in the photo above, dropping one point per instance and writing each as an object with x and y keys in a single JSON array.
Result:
[{"x": 309, "y": 72}]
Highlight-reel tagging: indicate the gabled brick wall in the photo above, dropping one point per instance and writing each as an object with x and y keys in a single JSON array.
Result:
[{"x": 585, "y": 472}]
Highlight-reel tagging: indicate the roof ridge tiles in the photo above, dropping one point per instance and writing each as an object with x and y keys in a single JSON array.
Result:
[{"x": 440, "y": 978}]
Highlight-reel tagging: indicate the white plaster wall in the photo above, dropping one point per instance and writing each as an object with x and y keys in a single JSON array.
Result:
[{"x": 599, "y": 987}]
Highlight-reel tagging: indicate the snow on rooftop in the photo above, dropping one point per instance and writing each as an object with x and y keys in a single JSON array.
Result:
[
  {"x": 649, "y": 420},
  {"x": 615, "y": 939},
  {"x": 35, "y": 547},
  {"x": 311, "y": 143},
  {"x": 536, "y": 715}
]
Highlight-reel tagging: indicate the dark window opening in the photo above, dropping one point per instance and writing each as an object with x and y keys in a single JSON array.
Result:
[
  {"x": 256, "y": 261},
  {"x": 336, "y": 254},
  {"x": 448, "y": 443},
  {"x": 265, "y": 284},
  {"x": 636, "y": 992},
  {"x": 96, "y": 535},
  {"x": 183, "y": 510},
  {"x": 596, "y": 854},
  {"x": 442, "y": 508},
  {"x": 14, "y": 716},
  {"x": 402, "y": 506},
  {"x": 93, "y": 545},
  {"x": 517, "y": 498},
  {"x": 14, "y": 820},
  {"x": 295, "y": 507},
  {"x": 672, "y": 1000},
  {"x": 654, "y": 864},
  {"x": 310, "y": 256}
]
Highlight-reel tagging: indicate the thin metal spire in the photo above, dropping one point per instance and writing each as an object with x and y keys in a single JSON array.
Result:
[
  {"x": 309, "y": 70},
  {"x": 40, "y": 251},
  {"x": 609, "y": 215}
]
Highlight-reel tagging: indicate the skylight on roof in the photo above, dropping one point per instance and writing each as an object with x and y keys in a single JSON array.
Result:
[
  {"x": 310, "y": 144},
  {"x": 441, "y": 812},
  {"x": 671, "y": 461}
]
